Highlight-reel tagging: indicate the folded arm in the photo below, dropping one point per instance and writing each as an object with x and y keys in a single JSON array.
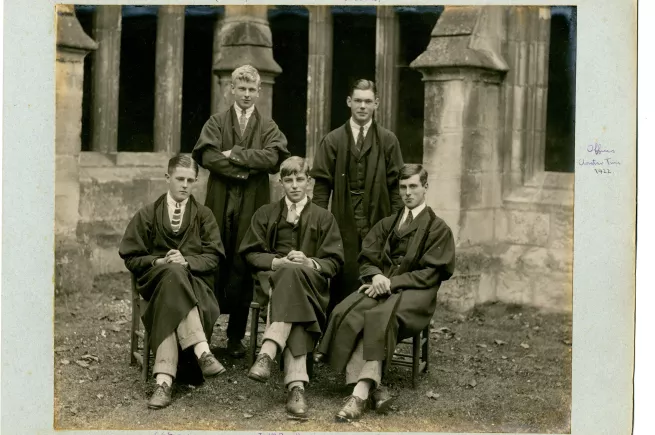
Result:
[
  {"x": 208, "y": 153},
  {"x": 273, "y": 149}
]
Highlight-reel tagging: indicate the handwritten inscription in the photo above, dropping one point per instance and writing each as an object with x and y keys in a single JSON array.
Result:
[{"x": 600, "y": 158}]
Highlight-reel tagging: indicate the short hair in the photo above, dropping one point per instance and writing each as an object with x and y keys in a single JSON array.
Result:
[
  {"x": 294, "y": 165},
  {"x": 410, "y": 169},
  {"x": 246, "y": 73},
  {"x": 363, "y": 85},
  {"x": 182, "y": 161}
]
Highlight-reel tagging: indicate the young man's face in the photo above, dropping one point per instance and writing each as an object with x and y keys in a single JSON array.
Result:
[
  {"x": 180, "y": 183},
  {"x": 412, "y": 191},
  {"x": 362, "y": 105},
  {"x": 295, "y": 186},
  {"x": 245, "y": 93}
]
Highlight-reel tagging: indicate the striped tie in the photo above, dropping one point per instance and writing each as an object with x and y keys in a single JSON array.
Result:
[{"x": 177, "y": 218}]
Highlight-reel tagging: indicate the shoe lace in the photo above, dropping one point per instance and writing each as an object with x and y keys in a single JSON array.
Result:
[{"x": 161, "y": 390}]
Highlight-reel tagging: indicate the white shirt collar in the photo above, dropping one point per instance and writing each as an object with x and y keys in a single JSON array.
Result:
[
  {"x": 299, "y": 205},
  {"x": 355, "y": 127},
  {"x": 249, "y": 110},
  {"x": 171, "y": 202},
  {"x": 415, "y": 212}
]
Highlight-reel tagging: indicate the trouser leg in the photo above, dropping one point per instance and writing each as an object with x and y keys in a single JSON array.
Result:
[
  {"x": 189, "y": 331},
  {"x": 236, "y": 327},
  {"x": 295, "y": 368},
  {"x": 359, "y": 369},
  {"x": 166, "y": 357},
  {"x": 278, "y": 333}
]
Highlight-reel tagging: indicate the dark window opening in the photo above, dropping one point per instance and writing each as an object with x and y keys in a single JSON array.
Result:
[
  {"x": 85, "y": 17},
  {"x": 353, "y": 55},
  {"x": 560, "y": 123},
  {"x": 290, "y": 30},
  {"x": 415, "y": 27}
]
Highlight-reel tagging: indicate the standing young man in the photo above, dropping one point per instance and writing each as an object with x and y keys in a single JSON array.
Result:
[
  {"x": 173, "y": 248},
  {"x": 239, "y": 147},
  {"x": 404, "y": 260},
  {"x": 358, "y": 164},
  {"x": 294, "y": 247}
]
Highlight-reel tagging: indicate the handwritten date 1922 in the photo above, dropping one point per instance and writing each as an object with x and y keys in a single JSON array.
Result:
[{"x": 602, "y": 171}]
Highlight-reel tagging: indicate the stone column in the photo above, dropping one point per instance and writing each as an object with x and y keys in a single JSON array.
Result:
[
  {"x": 387, "y": 37},
  {"x": 105, "y": 77},
  {"x": 168, "y": 78},
  {"x": 319, "y": 77},
  {"x": 216, "y": 84},
  {"x": 462, "y": 70},
  {"x": 71, "y": 261},
  {"x": 245, "y": 38}
]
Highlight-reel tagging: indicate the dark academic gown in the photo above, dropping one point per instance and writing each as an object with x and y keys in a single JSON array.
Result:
[
  {"x": 416, "y": 261},
  {"x": 300, "y": 293},
  {"x": 171, "y": 290},
  {"x": 331, "y": 171},
  {"x": 256, "y": 154}
]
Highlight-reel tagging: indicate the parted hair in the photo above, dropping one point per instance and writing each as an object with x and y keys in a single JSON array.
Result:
[
  {"x": 246, "y": 73},
  {"x": 294, "y": 165},
  {"x": 363, "y": 85},
  {"x": 182, "y": 161},
  {"x": 410, "y": 169}
]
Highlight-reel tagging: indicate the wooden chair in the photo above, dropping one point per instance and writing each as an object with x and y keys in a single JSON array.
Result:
[
  {"x": 136, "y": 357},
  {"x": 418, "y": 360}
]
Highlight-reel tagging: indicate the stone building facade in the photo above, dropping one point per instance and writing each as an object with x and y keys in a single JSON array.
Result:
[{"x": 485, "y": 87}]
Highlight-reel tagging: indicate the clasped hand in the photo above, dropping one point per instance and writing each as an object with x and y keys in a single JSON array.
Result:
[
  {"x": 172, "y": 256},
  {"x": 293, "y": 257},
  {"x": 379, "y": 286}
]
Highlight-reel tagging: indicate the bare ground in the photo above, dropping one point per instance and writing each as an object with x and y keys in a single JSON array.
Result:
[{"x": 500, "y": 368}]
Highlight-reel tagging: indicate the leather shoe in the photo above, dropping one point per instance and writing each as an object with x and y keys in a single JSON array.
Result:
[
  {"x": 319, "y": 358},
  {"x": 210, "y": 365},
  {"x": 296, "y": 403},
  {"x": 261, "y": 369},
  {"x": 161, "y": 398},
  {"x": 235, "y": 348},
  {"x": 381, "y": 399},
  {"x": 352, "y": 410}
]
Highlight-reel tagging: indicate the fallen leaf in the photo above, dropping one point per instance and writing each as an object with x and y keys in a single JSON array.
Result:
[
  {"x": 100, "y": 396},
  {"x": 444, "y": 330},
  {"x": 61, "y": 349},
  {"x": 532, "y": 355},
  {"x": 246, "y": 415},
  {"x": 116, "y": 328},
  {"x": 65, "y": 362},
  {"x": 503, "y": 357},
  {"x": 82, "y": 363},
  {"x": 536, "y": 328},
  {"x": 566, "y": 342},
  {"x": 432, "y": 395},
  {"x": 472, "y": 383},
  {"x": 500, "y": 342},
  {"x": 103, "y": 333},
  {"x": 484, "y": 346},
  {"x": 525, "y": 345},
  {"x": 241, "y": 397}
]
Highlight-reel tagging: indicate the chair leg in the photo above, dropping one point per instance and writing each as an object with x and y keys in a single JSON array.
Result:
[
  {"x": 133, "y": 337},
  {"x": 416, "y": 357},
  {"x": 425, "y": 351},
  {"x": 254, "y": 327},
  {"x": 145, "y": 367}
]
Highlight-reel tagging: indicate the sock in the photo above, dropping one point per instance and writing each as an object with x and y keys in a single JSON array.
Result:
[
  {"x": 163, "y": 377},
  {"x": 294, "y": 384},
  {"x": 200, "y": 348},
  {"x": 362, "y": 388},
  {"x": 269, "y": 347}
]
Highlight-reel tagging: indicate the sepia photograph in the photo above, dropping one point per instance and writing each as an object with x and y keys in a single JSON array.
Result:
[{"x": 315, "y": 217}]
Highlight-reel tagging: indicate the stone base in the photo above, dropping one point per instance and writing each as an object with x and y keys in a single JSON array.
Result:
[{"x": 74, "y": 271}]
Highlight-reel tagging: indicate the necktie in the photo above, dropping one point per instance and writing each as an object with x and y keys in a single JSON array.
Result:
[
  {"x": 176, "y": 221},
  {"x": 407, "y": 222},
  {"x": 242, "y": 121},
  {"x": 360, "y": 140},
  {"x": 292, "y": 216}
]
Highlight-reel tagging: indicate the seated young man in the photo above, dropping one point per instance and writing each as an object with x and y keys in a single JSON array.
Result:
[
  {"x": 403, "y": 261},
  {"x": 173, "y": 246},
  {"x": 293, "y": 247}
]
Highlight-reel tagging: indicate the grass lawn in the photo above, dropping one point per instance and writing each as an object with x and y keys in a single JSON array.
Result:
[{"x": 499, "y": 368}]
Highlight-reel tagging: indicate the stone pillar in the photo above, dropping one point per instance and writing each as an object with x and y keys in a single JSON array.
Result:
[
  {"x": 245, "y": 38},
  {"x": 168, "y": 78},
  {"x": 387, "y": 37},
  {"x": 105, "y": 77},
  {"x": 216, "y": 84},
  {"x": 319, "y": 77},
  {"x": 71, "y": 261}
]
